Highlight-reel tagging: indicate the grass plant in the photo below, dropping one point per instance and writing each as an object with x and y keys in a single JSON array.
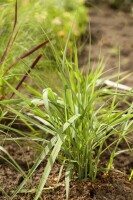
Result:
[
  {"x": 72, "y": 126},
  {"x": 79, "y": 123}
]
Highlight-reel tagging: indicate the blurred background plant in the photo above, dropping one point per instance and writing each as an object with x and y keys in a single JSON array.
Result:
[{"x": 36, "y": 22}]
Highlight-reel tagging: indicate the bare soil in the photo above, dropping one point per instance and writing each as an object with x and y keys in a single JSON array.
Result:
[
  {"x": 111, "y": 33},
  {"x": 110, "y": 29}
]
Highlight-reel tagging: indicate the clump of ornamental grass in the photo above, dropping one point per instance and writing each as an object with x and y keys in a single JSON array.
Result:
[{"x": 76, "y": 125}]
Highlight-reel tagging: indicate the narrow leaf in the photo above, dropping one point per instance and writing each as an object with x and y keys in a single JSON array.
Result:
[
  {"x": 54, "y": 154},
  {"x": 14, "y": 163},
  {"x": 48, "y": 167},
  {"x": 37, "y": 163},
  {"x": 26, "y": 54},
  {"x": 26, "y": 74},
  {"x": 10, "y": 39},
  {"x": 16, "y": 14},
  {"x": 67, "y": 180}
]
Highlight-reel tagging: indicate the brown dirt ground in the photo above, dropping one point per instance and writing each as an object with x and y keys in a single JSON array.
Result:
[
  {"x": 115, "y": 186},
  {"x": 110, "y": 30}
]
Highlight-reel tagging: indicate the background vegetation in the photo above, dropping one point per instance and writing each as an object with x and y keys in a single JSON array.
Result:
[{"x": 38, "y": 21}]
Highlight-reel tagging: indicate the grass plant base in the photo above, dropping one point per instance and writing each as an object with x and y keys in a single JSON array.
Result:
[{"x": 114, "y": 186}]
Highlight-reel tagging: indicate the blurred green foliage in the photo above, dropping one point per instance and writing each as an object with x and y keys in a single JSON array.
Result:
[
  {"x": 40, "y": 19},
  {"x": 37, "y": 21}
]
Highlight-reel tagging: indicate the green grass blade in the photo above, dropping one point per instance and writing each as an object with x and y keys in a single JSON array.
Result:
[
  {"x": 13, "y": 162},
  {"x": 67, "y": 180},
  {"x": 37, "y": 163},
  {"x": 49, "y": 166},
  {"x": 10, "y": 101},
  {"x": 54, "y": 154}
]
